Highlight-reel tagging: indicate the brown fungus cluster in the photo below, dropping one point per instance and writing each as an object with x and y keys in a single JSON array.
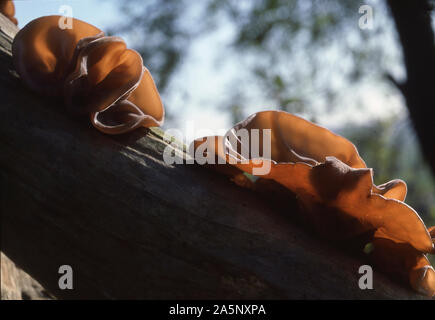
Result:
[
  {"x": 335, "y": 190},
  {"x": 94, "y": 74}
]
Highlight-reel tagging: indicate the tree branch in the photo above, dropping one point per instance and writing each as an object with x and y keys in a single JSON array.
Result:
[{"x": 413, "y": 24}]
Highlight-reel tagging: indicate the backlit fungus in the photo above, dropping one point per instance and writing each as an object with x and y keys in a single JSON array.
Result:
[
  {"x": 334, "y": 188},
  {"x": 94, "y": 74},
  {"x": 7, "y": 8}
]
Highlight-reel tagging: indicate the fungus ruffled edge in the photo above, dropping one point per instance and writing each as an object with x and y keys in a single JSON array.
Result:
[{"x": 327, "y": 174}]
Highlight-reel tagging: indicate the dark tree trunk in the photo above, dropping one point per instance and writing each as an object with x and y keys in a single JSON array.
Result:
[{"x": 413, "y": 23}]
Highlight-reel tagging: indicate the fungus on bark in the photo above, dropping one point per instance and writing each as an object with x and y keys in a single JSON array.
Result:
[
  {"x": 333, "y": 186},
  {"x": 94, "y": 74},
  {"x": 7, "y": 8}
]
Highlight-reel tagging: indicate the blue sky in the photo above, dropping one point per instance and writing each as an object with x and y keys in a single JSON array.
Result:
[
  {"x": 97, "y": 12},
  {"x": 203, "y": 78}
]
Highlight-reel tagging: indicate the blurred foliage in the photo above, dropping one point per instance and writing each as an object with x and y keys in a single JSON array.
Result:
[
  {"x": 156, "y": 27},
  {"x": 297, "y": 51}
]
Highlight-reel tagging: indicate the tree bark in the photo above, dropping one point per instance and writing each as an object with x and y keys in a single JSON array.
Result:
[
  {"x": 414, "y": 27},
  {"x": 131, "y": 226},
  {"x": 18, "y": 285}
]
